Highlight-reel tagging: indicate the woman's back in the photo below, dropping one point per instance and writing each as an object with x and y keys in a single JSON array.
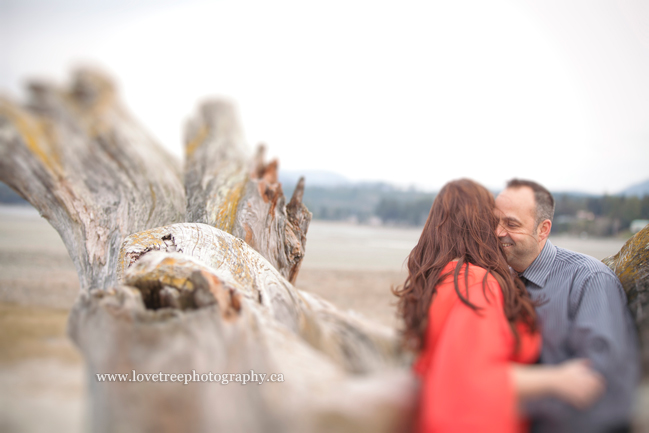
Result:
[{"x": 464, "y": 364}]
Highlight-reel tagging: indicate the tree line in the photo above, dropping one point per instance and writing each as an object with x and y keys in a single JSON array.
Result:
[
  {"x": 606, "y": 215},
  {"x": 578, "y": 214}
]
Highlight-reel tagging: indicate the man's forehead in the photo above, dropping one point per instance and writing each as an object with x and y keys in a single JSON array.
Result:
[{"x": 516, "y": 200}]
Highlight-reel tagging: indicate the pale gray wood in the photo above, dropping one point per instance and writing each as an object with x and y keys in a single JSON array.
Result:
[
  {"x": 118, "y": 334},
  {"x": 357, "y": 345},
  {"x": 79, "y": 158},
  {"x": 231, "y": 189}
]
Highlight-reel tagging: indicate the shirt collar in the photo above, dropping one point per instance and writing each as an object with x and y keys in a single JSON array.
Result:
[{"x": 539, "y": 270}]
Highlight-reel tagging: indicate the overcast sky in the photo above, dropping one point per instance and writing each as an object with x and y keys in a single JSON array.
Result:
[{"x": 414, "y": 93}]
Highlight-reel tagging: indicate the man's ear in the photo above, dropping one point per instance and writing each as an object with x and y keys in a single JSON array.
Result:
[{"x": 544, "y": 229}]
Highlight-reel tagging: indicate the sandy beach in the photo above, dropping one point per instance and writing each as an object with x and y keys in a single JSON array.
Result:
[{"x": 41, "y": 371}]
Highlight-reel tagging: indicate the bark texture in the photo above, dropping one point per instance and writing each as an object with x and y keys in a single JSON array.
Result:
[
  {"x": 78, "y": 157},
  {"x": 207, "y": 302},
  {"x": 631, "y": 265},
  {"x": 231, "y": 189},
  {"x": 352, "y": 343}
]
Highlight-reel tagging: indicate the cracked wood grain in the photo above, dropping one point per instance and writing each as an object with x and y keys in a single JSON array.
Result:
[
  {"x": 79, "y": 158},
  {"x": 233, "y": 190},
  {"x": 355, "y": 344}
]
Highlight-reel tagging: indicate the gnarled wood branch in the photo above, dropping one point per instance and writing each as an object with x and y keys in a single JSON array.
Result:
[
  {"x": 232, "y": 190},
  {"x": 90, "y": 170}
]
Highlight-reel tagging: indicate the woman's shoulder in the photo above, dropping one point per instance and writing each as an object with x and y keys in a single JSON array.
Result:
[
  {"x": 474, "y": 280},
  {"x": 477, "y": 274},
  {"x": 488, "y": 289}
]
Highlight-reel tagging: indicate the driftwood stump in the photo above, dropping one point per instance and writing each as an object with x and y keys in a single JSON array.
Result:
[{"x": 193, "y": 279}]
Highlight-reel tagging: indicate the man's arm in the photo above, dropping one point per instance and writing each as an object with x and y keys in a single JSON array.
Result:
[{"x": 602, "y": 329}]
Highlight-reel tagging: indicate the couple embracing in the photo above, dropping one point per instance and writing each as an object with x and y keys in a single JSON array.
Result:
[{"x": 513, "y": 333}]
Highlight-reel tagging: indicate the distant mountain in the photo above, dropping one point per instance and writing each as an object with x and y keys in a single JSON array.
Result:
[
  {"x": 639, "y": 189},
  {"x": 323, "y": 178}
]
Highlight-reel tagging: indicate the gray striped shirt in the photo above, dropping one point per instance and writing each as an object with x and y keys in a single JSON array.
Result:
[{"x": 584, "y": 315}]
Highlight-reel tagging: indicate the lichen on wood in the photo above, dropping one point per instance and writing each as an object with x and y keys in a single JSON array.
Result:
[
  {"x": 78, "y": 157},
  {"x": 355, "y": 344},
  {"x": 631, "y": 265},
  {"x": 233, "y": 190}
]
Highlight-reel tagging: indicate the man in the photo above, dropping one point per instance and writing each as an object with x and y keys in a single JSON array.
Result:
[{"x": 582, "y": 312}]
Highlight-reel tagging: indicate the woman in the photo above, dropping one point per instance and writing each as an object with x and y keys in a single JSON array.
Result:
[{"x": 475, "y": 324}]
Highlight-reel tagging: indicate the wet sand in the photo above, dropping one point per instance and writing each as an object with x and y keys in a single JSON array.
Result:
[{"x": 41, "y": 371}]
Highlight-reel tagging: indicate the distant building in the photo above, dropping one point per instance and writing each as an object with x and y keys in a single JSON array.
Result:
[
  {"x": 585, "y": 215},
  {"x": 637, "y": 225}
]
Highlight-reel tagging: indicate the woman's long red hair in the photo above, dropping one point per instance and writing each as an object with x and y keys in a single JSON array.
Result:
[{"x": 461, "y": 225}]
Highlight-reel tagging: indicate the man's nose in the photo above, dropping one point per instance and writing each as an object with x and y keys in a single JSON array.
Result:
[{"x": 500, "y": 231}]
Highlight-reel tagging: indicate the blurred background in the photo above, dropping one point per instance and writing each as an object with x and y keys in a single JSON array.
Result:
[{"x": 377, "y": 103}]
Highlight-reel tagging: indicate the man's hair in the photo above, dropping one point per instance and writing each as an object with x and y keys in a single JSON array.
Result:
[{"x": 542, "y": 197}]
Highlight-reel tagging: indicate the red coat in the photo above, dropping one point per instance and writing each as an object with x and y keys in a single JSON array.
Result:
[{"x": 464, "y": 366}]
